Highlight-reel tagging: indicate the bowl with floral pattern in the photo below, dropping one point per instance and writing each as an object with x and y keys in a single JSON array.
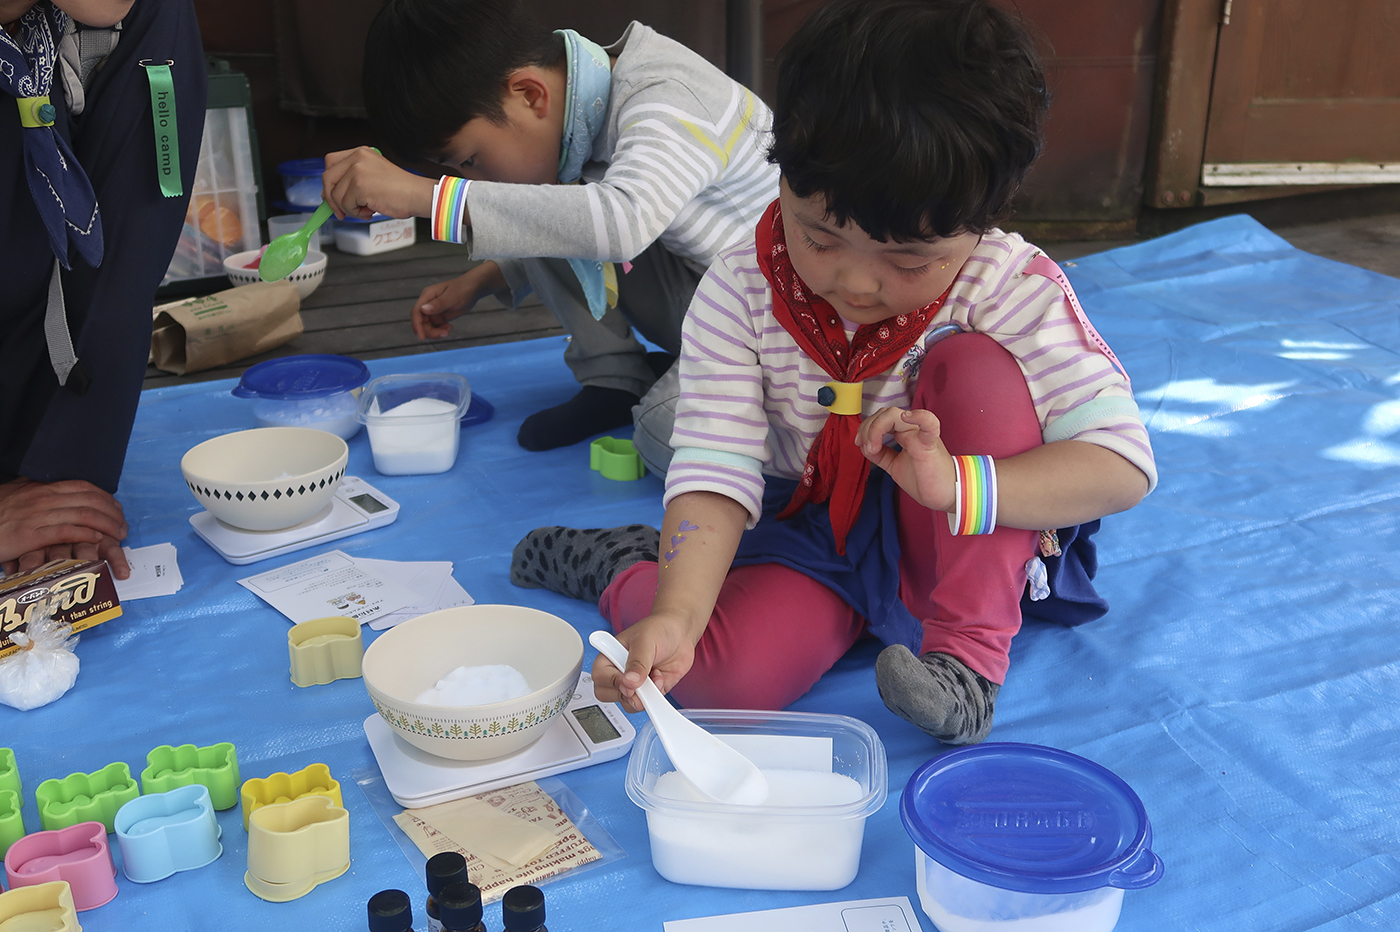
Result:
[{"x": 410, "y": 658}]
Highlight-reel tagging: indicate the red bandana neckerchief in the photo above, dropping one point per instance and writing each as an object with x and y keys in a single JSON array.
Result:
[{"x": 836, "y": 470}]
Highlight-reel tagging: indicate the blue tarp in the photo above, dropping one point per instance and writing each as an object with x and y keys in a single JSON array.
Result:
[{"x": 1244, "y": 683}]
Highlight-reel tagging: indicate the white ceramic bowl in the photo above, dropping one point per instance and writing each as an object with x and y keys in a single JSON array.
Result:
[
  {"x": 307, "y": 276},
  {"x": 266, "y": 479},
  {"x": 410, "y": 657}
]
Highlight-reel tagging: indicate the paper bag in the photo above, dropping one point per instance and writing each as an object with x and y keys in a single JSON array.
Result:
[{"x": 201, "y": 333}]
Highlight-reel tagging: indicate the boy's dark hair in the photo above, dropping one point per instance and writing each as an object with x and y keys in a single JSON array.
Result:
[
  {"x": 431, "y": 66},
  {"x": 914, "y": 118}
]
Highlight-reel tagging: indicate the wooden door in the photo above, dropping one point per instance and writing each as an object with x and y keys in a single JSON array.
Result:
[{"x": 1260, "y": 94}]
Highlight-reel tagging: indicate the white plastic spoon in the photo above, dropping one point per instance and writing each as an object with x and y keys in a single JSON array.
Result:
[{"x": 715, "y": 769}]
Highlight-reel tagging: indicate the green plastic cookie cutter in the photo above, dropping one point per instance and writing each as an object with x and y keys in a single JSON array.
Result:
[
  {"x": 615, "y": 459},
  {"x": 9, "y": 772},
  {"x": 11, "y": 819},
  {"x": 215, "y": 767},
  {"x": 86, "y": 797}
]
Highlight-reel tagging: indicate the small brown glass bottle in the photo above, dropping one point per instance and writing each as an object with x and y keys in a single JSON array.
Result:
[
  {"x": 443, "y": 869},
  {"x": 523, "y": 909},
  {"x": 459, "y": 908},
  {"x": 390, "y": 911}
]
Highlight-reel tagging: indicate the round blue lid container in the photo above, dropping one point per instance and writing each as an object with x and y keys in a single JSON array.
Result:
[
  {"x": 1030, "y": 818},
  {"x": 297, "y": 378}
]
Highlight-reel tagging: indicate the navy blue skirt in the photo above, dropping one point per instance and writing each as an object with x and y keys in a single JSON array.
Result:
[{"x": 867, "y": 576}]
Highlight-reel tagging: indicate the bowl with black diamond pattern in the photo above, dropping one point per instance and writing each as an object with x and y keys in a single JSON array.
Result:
[{"x": 266, "y": 479}]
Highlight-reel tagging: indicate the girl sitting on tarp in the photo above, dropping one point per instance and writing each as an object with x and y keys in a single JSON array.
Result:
[{"x": 876, "y": 317}]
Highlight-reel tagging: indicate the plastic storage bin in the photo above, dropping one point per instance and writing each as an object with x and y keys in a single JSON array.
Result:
[
  {"x": 768, "y": 847},
  {"x": 317, "y": 390},
  {"x": 414, "y": 421},
  {"x": 222, "y": 218},
  {"x": 1023, "y": 838}
]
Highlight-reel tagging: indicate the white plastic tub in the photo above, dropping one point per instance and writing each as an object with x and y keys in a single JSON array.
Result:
[
  {"x": 1023, "y": 838},
  {"x": 414, "y": 421},
  {"x": 773, "y": 846},
  {"x": 367, "y": 238}
]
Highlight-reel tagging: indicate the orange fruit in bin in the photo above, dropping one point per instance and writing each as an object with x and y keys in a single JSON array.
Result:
[{"x": 219, "y": 223}]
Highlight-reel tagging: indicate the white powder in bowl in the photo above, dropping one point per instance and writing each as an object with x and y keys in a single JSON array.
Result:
[{"x": 468, "y": 686}]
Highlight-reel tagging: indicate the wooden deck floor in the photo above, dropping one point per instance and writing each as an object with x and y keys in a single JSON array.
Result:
[{"x": 361, "y": 309}]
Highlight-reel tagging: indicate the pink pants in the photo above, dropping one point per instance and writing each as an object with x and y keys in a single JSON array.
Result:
[{"x": 774, "y": 631}]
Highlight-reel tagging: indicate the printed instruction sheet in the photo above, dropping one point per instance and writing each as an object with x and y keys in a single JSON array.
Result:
[
  {"x": 330, "y": 584},
  {"x": 889, "y": 914}
]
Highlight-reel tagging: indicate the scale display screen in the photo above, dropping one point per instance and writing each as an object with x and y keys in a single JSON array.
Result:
[
  {"x": 595, "y": 724},
  {"x": 369, "y": 504}
]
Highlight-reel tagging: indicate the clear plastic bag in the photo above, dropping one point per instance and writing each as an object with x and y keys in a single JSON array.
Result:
[{"x": 45, "y": 667}]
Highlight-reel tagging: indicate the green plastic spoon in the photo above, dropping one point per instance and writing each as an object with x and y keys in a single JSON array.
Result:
[{"x": 288, "y": 251}]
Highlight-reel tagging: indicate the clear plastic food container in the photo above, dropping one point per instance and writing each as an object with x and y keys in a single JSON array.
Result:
[
  {"x": 1023, "y": 838},
  {"x": 826, "y": 775},
  {"x": 315, "y": 390},
  {"x": 414, "y": 421}
]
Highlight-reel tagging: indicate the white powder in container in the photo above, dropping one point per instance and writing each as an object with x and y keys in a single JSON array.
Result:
[
  {"x": 469, "y": 686},
  {"x": 762, "y": 850},
  {"x": 427, "y": 444}
]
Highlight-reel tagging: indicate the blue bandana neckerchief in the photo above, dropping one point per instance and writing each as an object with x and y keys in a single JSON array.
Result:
[
  {"x": 58, "y": 184},
  {"x": 586, "y": 104}
]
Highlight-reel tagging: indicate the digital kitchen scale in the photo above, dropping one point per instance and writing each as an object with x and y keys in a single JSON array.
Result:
[
  {"x": 356, "y": 507},
  {"x": 588, "y": 732}
]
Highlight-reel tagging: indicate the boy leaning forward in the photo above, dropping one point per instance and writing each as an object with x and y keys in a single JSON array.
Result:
[{"x": 605, "y": 182}]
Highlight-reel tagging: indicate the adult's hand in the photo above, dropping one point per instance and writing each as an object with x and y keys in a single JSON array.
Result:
[{"x": 42, "y": 521}]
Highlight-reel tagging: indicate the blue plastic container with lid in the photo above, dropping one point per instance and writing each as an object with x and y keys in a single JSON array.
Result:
[
  {"x": 1024, "y": 838},
  {"x": 301, "y": 180},
  {"x": 318, "y": 390}
]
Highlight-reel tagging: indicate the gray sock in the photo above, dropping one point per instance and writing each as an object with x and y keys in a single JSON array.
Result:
[
  {"x": 938, "y": 693},
  {"x": 580, "y": 563}
]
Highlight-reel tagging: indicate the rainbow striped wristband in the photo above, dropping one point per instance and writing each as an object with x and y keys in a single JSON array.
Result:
[
  {"x": 975, "y": 491},
  {"x": 449, "y": 207}
]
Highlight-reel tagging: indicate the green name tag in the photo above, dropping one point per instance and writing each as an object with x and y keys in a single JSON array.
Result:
[{"x": 167, "y": 131}]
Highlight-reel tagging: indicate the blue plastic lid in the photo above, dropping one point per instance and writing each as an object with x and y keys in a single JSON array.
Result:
[
  {"x": 297, "y": 378},
  {"x": 305, "y": 168},
  {"x": 1031, "y": 819}
]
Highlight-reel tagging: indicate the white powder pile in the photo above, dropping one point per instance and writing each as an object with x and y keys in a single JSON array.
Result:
[
  {"x": 468, "y": 686},
  {"x": 417, "y": 448},
  {"x": 786, "y": 788},
  {"x": 760, "y": 852},
  {"x": 335, "y": 413}
]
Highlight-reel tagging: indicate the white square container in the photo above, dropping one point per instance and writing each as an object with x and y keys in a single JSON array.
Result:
[
  {"x": 382, "y": 235},
  {"x": 769, "y": 847},
  {"x": 404, "y": 441}
]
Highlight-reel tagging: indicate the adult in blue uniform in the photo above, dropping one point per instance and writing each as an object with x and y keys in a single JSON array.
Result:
[{"x": 83, "y": 191}]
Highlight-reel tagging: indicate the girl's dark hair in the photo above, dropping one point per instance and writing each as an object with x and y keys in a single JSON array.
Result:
[
  {"x": 431, "y": 66},
  {"x": 914, "y": 118}
]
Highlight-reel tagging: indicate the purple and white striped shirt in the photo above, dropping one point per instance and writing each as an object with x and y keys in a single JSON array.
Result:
[{"x": 748, "y": 403}]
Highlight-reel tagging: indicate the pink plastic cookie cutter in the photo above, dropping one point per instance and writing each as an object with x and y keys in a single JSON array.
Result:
[{"x": 78, "y": 854}]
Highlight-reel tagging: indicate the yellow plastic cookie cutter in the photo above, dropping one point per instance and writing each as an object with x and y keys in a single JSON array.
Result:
[
  {"x": 47, "y": 906},
  {"x": 324, "y": 650},
  {"x": 294, "y": 847},
  {"x": 313, "y": 780}
]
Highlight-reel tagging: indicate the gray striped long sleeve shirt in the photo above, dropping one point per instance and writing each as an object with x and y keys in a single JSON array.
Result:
[{"x": 681, "y": 160}]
